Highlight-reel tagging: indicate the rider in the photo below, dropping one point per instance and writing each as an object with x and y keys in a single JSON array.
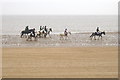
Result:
[
  {"x": 45, "y": 29},
  {"x": 34, "y": 31},
  {"x": 65, "y": 32},
  {"x": 26, "y": 29},
  {"x": 41, "y": 28},
  {"x": 97, "y": 30}
]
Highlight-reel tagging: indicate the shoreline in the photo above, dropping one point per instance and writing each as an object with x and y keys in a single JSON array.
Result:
[
  {"x": 63, "y": 32},
  {"x": 60, "y": 47},
  {"x": 73, "y": 40}
]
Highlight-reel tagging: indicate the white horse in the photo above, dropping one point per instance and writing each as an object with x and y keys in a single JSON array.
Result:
[
  {"x": 30, "y": 36},
  {"x": 63, "y": 36},
  {"x": 44, "y": 33}
]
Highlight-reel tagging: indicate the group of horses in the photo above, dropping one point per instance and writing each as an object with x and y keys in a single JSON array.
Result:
[{"x": 29, "y": 34}]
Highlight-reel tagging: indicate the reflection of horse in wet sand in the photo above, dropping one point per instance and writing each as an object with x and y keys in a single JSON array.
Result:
[
  {"x": 64, "y": 36},
  {"x": 99, "y": 34},
  {"x": 43, "y": 33}
]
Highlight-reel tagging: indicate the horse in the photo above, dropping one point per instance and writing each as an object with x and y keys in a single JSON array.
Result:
[
  {"x": 44, "y": 33},
  {"x": 32, "y": 35},
  {"x": 62, "y": 36},
  {"x": 99, "y": 34},
  {"x": 49, "y": 31},
  {"x": 40, "y": 33},
  {"x": 24, "y": 32}
]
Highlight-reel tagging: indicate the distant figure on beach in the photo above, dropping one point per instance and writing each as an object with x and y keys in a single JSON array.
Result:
[
  {"x": 97, "y": 29},
  {"x": 65, "y": 35},
  {"x": 26, "y": 29},
  {"x": 33, "y": 31},
  {"x": 65, "y": 32},
  {"x": 97, "y": 33},
  {"x": 45, "y": 29},
  {"x": 40, "y": 28}
]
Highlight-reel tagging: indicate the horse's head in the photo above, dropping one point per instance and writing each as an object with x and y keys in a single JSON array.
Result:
[
  {"x": 50, "y": 29},
  {"x": 34, "y": 29},
  {"x": 103, "y": 32},
  {"x": 69, "y": 33}
]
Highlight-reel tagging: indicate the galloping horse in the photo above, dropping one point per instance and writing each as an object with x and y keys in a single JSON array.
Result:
[
  {"x": 44, "y": 33},
  {"x": 99, "y": 34},
  {"x": 26, "y": 32}
]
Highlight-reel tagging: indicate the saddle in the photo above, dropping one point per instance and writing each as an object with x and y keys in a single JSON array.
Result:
[{"x": 97, "y": 33}]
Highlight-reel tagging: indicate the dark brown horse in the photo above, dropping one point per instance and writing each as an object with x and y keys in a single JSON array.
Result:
[{"x": 26, "y": 32}]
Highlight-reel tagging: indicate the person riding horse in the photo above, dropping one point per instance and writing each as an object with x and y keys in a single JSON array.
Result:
[
  {"x": 97, "y": 33},
  {"x": 41, "y": 28},
  {"x": 65, "y": 35},
  {"x": 65, "y": 32},
  {"x": 26, "y": 29},
  {"x": 97, "y": 30},
  {"x": 45, "y": 29},
  {"x": 33, "y": 31}
]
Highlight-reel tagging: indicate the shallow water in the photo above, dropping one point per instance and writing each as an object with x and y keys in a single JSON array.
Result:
[{"x": 74, "y": 40}]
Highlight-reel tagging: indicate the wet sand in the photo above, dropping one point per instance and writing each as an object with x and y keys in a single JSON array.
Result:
[
  {"x": 74, "y": 40},
  {"x": 79, "y": 62}
]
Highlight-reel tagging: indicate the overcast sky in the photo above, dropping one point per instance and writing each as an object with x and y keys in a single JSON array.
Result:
[{"x": 59, "y": 7}]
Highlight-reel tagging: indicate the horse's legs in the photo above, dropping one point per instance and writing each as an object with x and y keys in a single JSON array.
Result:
[
  {"x": 27, "y": 38},
  {"x": 45, "y": 35},
  {"x": 60, "y": 37},
  {"x": 35, "y": 38},
  {"x": 39, "y": 35},
  {"x": 21, "y": 35},
  {"x": 94, "y": 37},
  {"x": 98, "y": 37},
  {"x": 30, "y": 38},
  {"x": 101, "y": 37},
  {"x": 91, "y": 37},
  {"x": 25, "y": 35},
  {"x": 65, "y": 37},
  {"x": 49, "y": 36}
]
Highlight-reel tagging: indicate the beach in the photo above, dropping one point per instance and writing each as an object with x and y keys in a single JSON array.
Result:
[
  {"x": 75, "y": 57},
  {"x": 52, "y": 57},
  {"x": 81, "y": 62}
]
